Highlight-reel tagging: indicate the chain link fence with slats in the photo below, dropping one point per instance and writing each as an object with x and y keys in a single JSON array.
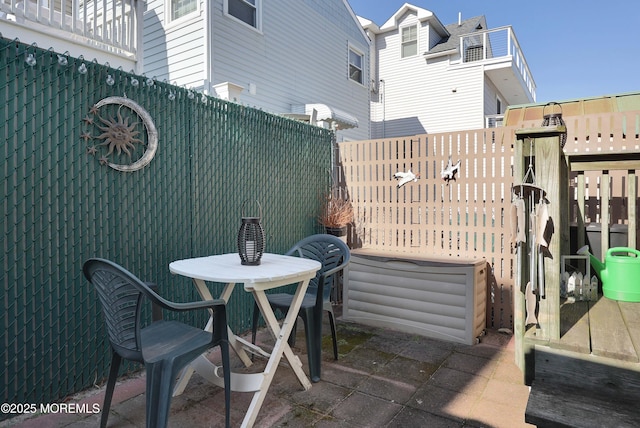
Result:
[{"x": 62, "y": 203}]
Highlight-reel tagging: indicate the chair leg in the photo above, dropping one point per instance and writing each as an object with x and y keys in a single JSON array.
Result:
[
  {"x": 111, "y": 383},
  {"x": 332, "y": 324},
  {"x": 159, "y": 391},
  {"x": 313, "y": 335},
  {"x": 254, "y": 324},
  {"x": 292, "y": 336},
  {"x": 224, "y": 351}
]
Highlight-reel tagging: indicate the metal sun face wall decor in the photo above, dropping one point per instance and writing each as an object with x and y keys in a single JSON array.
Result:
[{"x": 122, "y": 126}]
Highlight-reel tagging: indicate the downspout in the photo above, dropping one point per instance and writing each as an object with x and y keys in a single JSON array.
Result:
[
  {"x": 207, "y": 84},
  {"x": 383, "y": 94},
  {"x": 140, "y": 7}
]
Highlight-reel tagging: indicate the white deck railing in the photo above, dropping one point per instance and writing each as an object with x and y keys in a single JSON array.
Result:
[
  {"x": 497, "y": 43},
  {"x": 107, "y": 24}
]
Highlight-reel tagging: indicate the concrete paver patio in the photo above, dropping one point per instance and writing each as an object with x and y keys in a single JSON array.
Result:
[{"x": 382, "y": 379}]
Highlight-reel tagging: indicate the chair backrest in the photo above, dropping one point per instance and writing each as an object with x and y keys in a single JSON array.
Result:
[
  {"x": 120, "y": 294},
  {"x": 331, "y": 252}
]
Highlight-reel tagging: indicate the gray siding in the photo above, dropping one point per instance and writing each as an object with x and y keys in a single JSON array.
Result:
[
  {"x": 300, "y": 56},
  {"x": 175, "y": 51}
]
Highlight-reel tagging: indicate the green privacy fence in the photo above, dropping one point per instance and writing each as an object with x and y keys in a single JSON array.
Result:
[{"x": 62, "y": 203}]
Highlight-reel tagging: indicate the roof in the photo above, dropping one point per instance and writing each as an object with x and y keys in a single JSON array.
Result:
[
  {"x": 455, "y": 31},
  {"x": 422, "y": 14}
]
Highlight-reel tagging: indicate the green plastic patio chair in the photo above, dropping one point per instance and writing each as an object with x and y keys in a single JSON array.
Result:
[
  {"x": 164, "y": 347},
  {"x": 334, "y": 256}
]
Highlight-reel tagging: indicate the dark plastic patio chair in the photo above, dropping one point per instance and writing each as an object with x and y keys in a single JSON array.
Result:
[
  {"x": 334, "y": 256},
  {"x": 164, "y": 347}
]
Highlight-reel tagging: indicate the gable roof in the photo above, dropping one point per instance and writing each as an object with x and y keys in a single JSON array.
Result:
[
  {"x": 451, "y": 43},
  {"x": 422, "y": 14},
  {"x": 355, "y": 19}
]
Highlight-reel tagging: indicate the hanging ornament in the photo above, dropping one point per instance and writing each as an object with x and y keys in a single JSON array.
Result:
[
  {"x": 405, "y": 177},
  {"x": 449, "y": 172}
]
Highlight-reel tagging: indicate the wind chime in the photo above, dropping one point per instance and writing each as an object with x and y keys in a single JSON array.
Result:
[{"x": 531, "y": 229}]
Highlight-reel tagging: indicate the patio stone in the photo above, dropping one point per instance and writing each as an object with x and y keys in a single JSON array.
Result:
[
  {"x": 460, "y": 381},
  {"x": 381, "y": 379},
  {"x": 488, "y": 413},
  {"x": 366, "y": 359},
  {"x": 339, "y": 374},
  {"x": 410, "y": 371},
  {"x": 427, "y": 350},
  {"x": 507, "y": 370},
  {"x": 410, "y": 417},
  {"x": 365, "y": 410},
  {"x": 478, "y": 366},
  {"x": 322, "y": 397},
  {"x": 297, "y": 417},
  {"x": 444, "y": 402},
  {"x": 506, "y": 393},
  {"x": 388, "y": 388}
]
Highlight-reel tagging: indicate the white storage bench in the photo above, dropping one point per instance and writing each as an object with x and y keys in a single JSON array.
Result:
[{"x": 440, "y": 298}]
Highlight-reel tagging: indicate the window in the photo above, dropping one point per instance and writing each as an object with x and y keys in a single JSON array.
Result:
[
  {"x": 409, "y": 41},
  {"x": 498, "y": 106},
  {"x": 180, "y": 8},
  {"x": 355, "y": 66},
  {"x": 246, "y": 11}
]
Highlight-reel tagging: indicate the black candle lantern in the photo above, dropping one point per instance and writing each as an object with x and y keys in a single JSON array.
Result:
[
  {"x": 554, "y": 119},
  {"x": 250, "y": 239}
]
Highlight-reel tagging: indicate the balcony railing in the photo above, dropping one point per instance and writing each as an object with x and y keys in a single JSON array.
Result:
[
  {"x": 111, "y": 25},
  {"x": 498, "y": 43}
]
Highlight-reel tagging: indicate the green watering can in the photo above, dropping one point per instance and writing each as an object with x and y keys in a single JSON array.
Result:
[{"x": 620, "y": 273}]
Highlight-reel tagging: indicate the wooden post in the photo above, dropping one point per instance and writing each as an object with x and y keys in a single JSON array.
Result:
[
  {"x": 633, "y": 194},
  {"x": 552, "y": 175}
]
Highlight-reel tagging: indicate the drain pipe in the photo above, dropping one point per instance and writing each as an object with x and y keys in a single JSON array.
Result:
[{"x": 383, "y": 94}]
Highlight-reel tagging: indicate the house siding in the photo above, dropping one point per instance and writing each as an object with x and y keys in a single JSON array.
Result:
[
  {"x": 424, "y": 96},
  {"x": 300, "y": 56},
  {"x": 429, "y": 93},
  {"x": 491, "y": 94},
  {"x": 174, "y": 51}
]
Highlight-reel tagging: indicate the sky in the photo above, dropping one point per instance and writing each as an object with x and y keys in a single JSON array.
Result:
[{"x": 574, "y": 48}]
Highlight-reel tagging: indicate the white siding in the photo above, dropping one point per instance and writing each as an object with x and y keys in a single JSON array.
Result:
[
  {"x": 425, "y": 96},
  {"x": 491, "y": 93},
  {"x": 173, "y": 52},
  {"x": 299, "y": 57}
]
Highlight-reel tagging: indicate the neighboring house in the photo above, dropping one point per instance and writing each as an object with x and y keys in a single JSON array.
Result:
[
  {"x": 108, "y": 31},
  {"x": 430, "y": 78},
  {"x": 306, "y": 58}
]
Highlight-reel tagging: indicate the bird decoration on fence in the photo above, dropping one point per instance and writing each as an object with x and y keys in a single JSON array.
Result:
[
  {"x": 405, "y": 177},
  {"x": 449, "y": 172}
]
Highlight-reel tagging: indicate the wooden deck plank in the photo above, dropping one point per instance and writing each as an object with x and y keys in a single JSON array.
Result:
[
  {"x": 631, "y": 316},
  {"x": 552, "y": 405},
  {"x": 574, "y": 327},
  {"x": 609, "y": 334}
]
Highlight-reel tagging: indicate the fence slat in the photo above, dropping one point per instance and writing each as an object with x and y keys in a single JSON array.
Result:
[{"x": 466, "y": 218}]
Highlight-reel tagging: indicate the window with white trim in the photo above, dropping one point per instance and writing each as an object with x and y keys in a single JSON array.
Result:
[
  {"x": 409, "y": 43},
  {"x": 355, "y": 66},
  {"x": 247, "y": 11},
  {"x": 181, "y": 8}
]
